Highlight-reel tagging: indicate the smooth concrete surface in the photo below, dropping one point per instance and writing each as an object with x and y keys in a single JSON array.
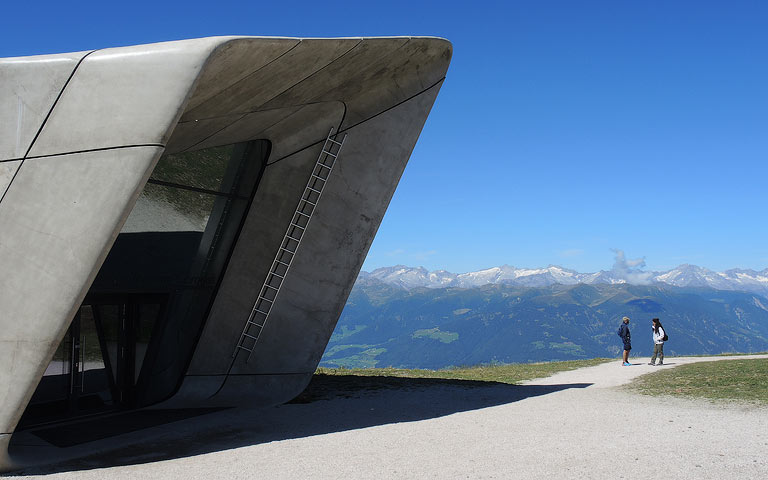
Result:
[
  {"x": 122, "y": 106},
  {"x": 297, "y": 64},
  {"x": 7, "y": 171},
  {"x": 197, "y": 134},
  {"x": 374, "y": 75},
  {"x": 337, "y": 240},
  {"x": 246, "y": 390},
  {"x": 124, "y": 96},
  {"x": 272, "y": 209},
  {"x": 55, "y": 235},
  {"x": 234, "y": 61},
  {"x": 5, "y": 461},
  {"x": 289, "y": 129},
  {"x": 382, "y": 153},
  {"x": 366, "y": 56},
  {"x": 62, "y": 212},
  {"x": 315, "y": 291},
  {"x": 395, "y": 76},
  {"x": 28, "y": 88}
]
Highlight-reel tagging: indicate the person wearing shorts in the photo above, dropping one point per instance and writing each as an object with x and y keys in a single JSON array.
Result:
[{"x": 626, "y": 338}]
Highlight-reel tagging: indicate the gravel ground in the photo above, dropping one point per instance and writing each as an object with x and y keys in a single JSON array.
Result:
[{"x": 575, "y": 424}]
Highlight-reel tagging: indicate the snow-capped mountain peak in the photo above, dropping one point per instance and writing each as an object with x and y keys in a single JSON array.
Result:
[{"x": 682, "y": 276}]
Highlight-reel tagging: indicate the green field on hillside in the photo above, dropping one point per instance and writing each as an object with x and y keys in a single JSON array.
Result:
[
  {"x": 723, "y": 380},
  {"x": 503, "y": 373}
]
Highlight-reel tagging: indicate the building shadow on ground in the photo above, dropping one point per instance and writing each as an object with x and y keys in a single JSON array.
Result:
[{"x": 331, "y": 403}]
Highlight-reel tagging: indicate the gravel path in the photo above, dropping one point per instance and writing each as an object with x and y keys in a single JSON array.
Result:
[{"x": 575, "y": 424}]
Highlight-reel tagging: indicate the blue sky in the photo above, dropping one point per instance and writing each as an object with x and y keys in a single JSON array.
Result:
[{"x": 564, "y": 129}]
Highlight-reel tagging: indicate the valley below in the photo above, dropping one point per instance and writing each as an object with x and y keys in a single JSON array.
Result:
[{"x": 388, "y": 325}]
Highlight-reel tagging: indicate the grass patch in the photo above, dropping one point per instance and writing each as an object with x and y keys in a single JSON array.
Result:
[
  {"x": 436, "y": 334},
  {"x": 726, "y": 354},
  {"x": 365, "y": 358},
  {"x": 346, "y": 332},
  {"x": 734, "y": 380},
  {"x": 508, "y": 373}
]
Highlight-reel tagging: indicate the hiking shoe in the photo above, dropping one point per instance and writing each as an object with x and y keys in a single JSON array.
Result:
[{"x": 626, "y": 364}]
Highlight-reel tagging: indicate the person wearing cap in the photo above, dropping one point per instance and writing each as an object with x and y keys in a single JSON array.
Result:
[{"x": 626, "y": 338}]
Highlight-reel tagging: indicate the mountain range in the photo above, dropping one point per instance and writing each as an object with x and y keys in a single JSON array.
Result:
[
  {"x": 386, "y": 324},
  {"x": 681, "y": 276}
]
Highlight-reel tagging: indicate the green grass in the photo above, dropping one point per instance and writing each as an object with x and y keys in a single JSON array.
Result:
[
  {"x": 436, "y": 334},
  {"x": 507, "y": 373},
  {"x": 727, "y": 354},
  {"x": 723, "y": 380}
]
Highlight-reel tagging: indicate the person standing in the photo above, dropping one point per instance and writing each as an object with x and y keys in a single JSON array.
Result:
[
  {"x": 658, "y": 342},
  {"x": 627, "y": 339}
]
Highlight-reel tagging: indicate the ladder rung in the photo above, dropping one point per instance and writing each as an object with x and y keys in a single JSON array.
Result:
[{"x": 327, "y": 150}]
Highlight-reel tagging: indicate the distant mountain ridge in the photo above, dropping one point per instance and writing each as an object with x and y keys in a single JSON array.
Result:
[
  {"x": 387, "y": 325},
  {"x": 682, "y": 276}
]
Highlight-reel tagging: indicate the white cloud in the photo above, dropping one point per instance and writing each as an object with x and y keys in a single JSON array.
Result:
[{"x": 630, "y": 270}]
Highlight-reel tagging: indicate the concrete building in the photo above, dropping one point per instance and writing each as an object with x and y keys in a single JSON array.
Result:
[{"x": 181, "y": 223}]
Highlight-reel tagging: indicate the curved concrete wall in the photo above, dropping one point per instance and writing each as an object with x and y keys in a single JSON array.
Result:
[
  {"x": 28, "y": 88},
  {"x": 100, "y": 131},
  {"x": 81, "y": 133},
  {"x": 377, "y": 91}
]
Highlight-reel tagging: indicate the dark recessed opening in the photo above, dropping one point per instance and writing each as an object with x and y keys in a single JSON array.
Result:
[{"x": 132, "y": 339}]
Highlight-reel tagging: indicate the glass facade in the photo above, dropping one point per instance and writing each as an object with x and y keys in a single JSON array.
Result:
[{"x": 134, "y": 336}]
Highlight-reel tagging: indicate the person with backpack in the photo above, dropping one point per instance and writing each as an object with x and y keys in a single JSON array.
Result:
[
  {"x": 626, "y": 338},
  {"x": 659, "y": 337}
]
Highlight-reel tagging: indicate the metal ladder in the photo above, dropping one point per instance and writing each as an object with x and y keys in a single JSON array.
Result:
[{"x": 289, "y": 245}]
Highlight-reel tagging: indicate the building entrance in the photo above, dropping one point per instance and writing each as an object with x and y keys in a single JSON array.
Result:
[
  {"x": 97, "y": 367},
  {"x": 125, "y": 348}
]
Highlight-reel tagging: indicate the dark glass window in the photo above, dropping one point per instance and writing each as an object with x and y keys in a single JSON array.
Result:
[
  {"x": 132, "y": 339},
  {"x": 179, "y": 237}
]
